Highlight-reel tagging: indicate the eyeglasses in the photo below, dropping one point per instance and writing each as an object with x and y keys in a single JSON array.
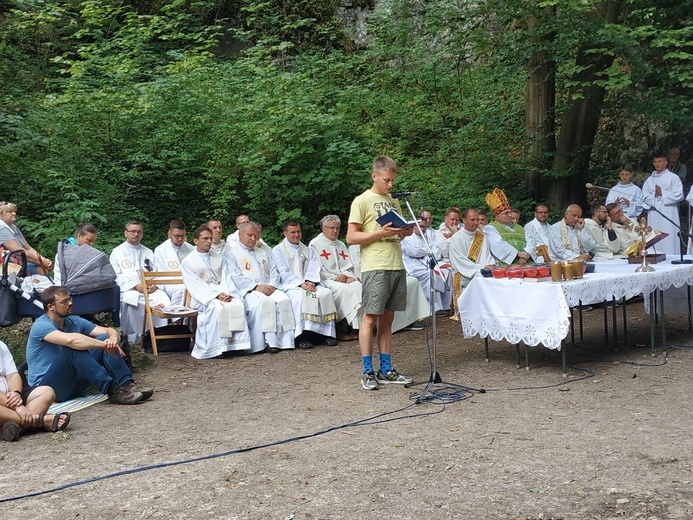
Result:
[
  {"x": 65, "y": 301},
  {"x": 134, "y": 232},
  {"x": 178, "y": 236},
  {"x": 333, "y": 228}
]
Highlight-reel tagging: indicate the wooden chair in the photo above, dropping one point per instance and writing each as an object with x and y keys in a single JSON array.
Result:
[{"x": 160, "y": 278}]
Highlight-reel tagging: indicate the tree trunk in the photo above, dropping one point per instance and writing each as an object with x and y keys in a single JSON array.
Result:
[
  {"x": 540, "y": 100},
  {"x": 579, "y": 123}
]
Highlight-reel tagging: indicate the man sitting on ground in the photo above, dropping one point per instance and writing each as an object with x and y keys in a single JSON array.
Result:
[
  {"x": 221, "y": 325},
  {"x": 22, "y": 408},
  {"x": 600, "y": 227},
  {"x": 169, "y": 255},
  {"x": 70, "y": 354},
  {"x": 338, "y": 275},
  {"x": 569, "y": 240},
  {"x": 506, "y": 240},
  {"x": 299, "y": 276},
  {"x": 269, "y": 312}
]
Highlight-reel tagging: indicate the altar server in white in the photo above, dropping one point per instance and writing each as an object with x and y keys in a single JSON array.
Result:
[
  {"x": 269, "y": 313},
  {"x": 415, "y": 254},
  {"x": 299, "y": 276},
  {"x": 169, "y": 255},
  {"x": 663, "y": 191},
  {"x": 338, "y": 275},
  {"x": 208, "y": 277},
  {"x": 129, "y": 259},
  {"x": 218, "y": 244},
  {"x": 626, "y": 194}
]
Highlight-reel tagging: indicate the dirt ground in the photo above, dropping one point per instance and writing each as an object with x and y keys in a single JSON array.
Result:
[{"x": 614, "y": 444}]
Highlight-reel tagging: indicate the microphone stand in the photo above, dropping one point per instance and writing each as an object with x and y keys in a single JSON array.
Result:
[
  {"x": 684, "y": 236},
  {"x": 434, "y": 377}
]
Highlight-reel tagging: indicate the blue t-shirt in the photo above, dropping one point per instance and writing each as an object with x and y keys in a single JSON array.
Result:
[{"x": 40, "y": 353}]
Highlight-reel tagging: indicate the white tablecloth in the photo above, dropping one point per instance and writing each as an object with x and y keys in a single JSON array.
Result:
[{"x": 538, "y": 313}]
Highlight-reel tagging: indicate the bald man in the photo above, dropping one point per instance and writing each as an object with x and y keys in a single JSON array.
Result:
[{"x": 569, "y": 239}]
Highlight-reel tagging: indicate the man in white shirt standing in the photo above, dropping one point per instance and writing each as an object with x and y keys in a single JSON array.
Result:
[
  {"x": 129, "y": 259},
  {"x": 221, "y": 324},
  {"x": 626, "y": 194},
  {"x": 663, "y": 191},
  {"x": 218, "y": 245},
  {"x": 169, "y": 255},
  {"x": 537, "y": 234},
  {"x": 299, "y": 276}
]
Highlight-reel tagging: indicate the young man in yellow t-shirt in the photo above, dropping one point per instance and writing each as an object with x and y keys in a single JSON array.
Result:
[{"x": 383, "y": 274}]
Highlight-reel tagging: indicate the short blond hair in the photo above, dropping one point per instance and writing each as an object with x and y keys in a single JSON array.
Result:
[
  {"x": 384, "y": 164},
  {"x": 7, "y": 206}
]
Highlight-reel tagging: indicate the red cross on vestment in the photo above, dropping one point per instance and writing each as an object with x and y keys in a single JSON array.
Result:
[
  {"x": 343, "y": 255},
  {"x": 325, "y": 254}
]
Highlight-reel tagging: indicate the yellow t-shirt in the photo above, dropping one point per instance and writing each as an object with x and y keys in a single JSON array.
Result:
[{"x": 386, "y": 253}]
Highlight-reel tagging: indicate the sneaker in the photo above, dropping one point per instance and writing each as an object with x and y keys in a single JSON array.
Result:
[
  {"x": 122, "y": 395},
  {"x": 368, "y": 381},
  {"x": 133, "y": 387},
  {"x": 416, "y": 326},
  {"x": 443, "y": 313},
  {"x": 393, "y": 377}
]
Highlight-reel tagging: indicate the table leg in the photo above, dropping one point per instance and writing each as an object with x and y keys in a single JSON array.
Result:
[
  {"x": 606, "y": 325},
  {"x": 613, "y": 320},
  {"x": 564, "y": 358},
  {"x": 661, "y": 317},
  {"x": 526, "y": 357},
  {"x": 652, "y": 324},
  {"x": 625, "y": 323},
  {"x": 517, "y": 355},
  {"x": 486, "y": 348},
  {"x": 572, "y": 326},
  {"x": 582, "y": 332}
]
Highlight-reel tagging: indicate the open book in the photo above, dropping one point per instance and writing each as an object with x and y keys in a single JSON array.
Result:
[
  {"x": 654, "y": 237},
  {"x": 394, "y": 218}
]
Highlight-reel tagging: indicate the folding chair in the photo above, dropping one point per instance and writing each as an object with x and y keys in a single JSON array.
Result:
[{"x": 160, "y": 278}]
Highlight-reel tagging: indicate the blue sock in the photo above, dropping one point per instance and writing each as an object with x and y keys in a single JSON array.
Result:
[
  {"x": 367, "y": 363},
  {"x": 385, "y": 363}
]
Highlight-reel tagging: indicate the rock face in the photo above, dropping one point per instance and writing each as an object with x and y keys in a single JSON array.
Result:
[{"x": 352, "y": 15}]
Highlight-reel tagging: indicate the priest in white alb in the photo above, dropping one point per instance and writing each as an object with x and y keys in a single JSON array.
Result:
[
  {"x": 168, "y": 257},
  {"x": 469, "y": 251},
  {"x": 269, "y": 312},
  {"x": 416, "y": 254},
  {"x": 299, "y": 276},
  {"x": 338, "y": 275},
  {"x": 208, "y": 277},
  {"x": 129, "y": 259}
]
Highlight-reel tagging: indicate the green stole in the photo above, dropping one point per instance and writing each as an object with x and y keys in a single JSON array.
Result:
[{"x": 515, "y": 238}]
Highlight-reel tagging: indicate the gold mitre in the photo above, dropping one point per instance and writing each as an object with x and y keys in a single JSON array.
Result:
[{"x": 497, "y": 201}]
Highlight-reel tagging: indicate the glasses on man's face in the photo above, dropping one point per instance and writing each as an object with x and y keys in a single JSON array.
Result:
[
  {"x": 134, "y": 231},
  {"x": 173, "y": 235},
  {"x": 332, "y": 228},
  {"x": 65, "y": 301}
]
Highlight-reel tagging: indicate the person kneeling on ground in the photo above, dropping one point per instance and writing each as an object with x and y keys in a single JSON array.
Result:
[
  {"x": 69, "y": 354},
  {"x": 22, "y": 408}
]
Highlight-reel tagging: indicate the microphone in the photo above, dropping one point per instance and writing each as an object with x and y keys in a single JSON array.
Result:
[
  {"x": 590, "y": 185},
  {"x": 400, "y": 194}
]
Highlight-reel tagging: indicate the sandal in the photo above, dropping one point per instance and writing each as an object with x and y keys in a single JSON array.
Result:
[
  {"x": 10, "y": 431},
  {"x": 56, "y": 421}
]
